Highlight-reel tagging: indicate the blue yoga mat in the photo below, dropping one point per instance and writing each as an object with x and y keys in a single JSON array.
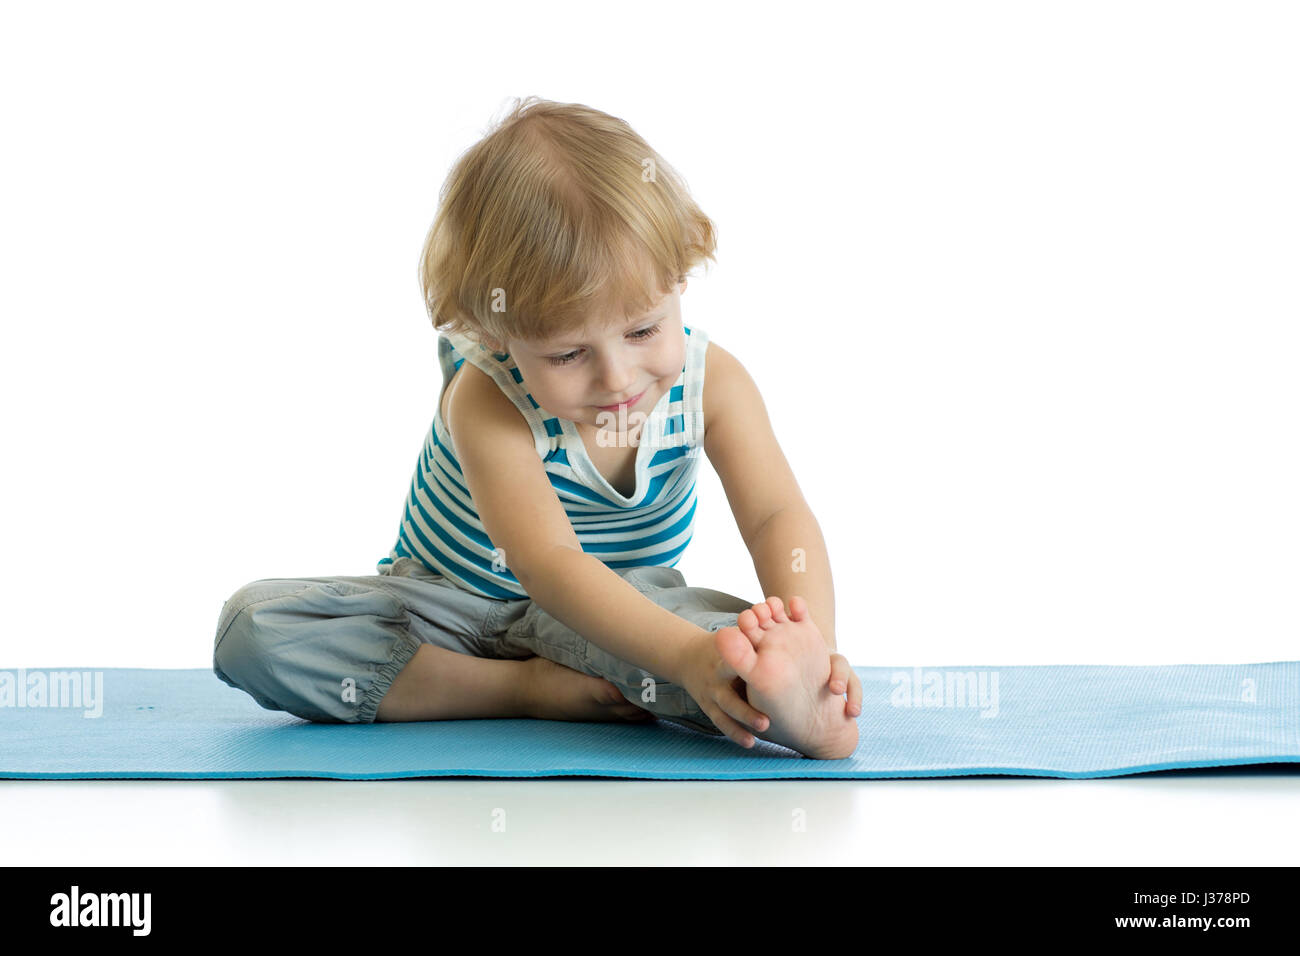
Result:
[{"x": 1044, "y": 721}]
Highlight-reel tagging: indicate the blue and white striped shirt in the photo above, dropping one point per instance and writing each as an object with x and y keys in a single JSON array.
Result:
[{"x": 441, "y": 529}]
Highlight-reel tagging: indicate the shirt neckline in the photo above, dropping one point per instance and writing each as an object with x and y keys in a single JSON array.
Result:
[{"x": 653, "y": 425}]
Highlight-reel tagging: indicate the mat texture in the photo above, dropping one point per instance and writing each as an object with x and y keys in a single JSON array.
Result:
[{"x": 1050, "y": 721}]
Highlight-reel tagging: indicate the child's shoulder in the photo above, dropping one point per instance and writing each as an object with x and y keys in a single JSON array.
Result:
[
  {"x": 725, "y": 381},
  {"x": 471, "y": 393}
]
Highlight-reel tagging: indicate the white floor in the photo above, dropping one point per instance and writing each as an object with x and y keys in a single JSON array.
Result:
[{"x": 1233, "y": 817}]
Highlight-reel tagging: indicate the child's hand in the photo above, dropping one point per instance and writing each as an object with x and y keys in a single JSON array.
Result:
[
  {"x": 713, "y": 684},
  {"x": 845, "y": 678}
]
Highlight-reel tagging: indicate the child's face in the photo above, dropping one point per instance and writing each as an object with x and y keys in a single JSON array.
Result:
[{"x": 574, "y": 375}]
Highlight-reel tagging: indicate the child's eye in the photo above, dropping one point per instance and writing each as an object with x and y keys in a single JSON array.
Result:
[{"x": 639, "y": 335}]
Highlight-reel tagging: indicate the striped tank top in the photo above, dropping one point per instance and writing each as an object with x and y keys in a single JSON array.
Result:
[{"x": 441, "y": 529}]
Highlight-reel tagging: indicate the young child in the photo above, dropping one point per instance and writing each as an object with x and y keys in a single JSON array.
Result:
[{"x": 533, "y": 573}]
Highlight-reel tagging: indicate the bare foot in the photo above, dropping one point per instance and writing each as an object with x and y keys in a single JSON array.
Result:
[
  {"x": 551, "y": 691},
  {"x": 786, "y": 666}
]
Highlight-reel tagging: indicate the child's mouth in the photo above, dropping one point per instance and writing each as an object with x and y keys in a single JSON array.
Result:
[{"x": 628, "y": 404}]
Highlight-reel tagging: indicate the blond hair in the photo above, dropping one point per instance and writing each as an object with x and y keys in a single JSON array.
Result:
[{"x": 558, "y": 211}]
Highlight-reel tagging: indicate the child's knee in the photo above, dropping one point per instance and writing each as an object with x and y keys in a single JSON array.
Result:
[
  {"x": 322, "y": 649},
  {"x": 246, "y": 641},
  {"x": 238, "y": 629}
]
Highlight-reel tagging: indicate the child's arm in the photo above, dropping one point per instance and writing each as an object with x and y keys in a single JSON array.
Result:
[
  {"x": 581, "y": 591},
  {"x": 524, "y": 518},
  {"x": 775, "y": 522}
]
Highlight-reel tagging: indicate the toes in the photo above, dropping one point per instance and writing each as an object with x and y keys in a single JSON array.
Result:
[
  {"x": 798, "y": 608},
  {"x": 777, "y": 609},
  {"x": 610, "y": 694},
  {"x": 748, "y": 622},
  {"x": 763, "y": 612}
]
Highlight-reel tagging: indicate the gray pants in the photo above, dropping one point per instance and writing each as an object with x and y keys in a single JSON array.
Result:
[{"x": 327, "y": 649}]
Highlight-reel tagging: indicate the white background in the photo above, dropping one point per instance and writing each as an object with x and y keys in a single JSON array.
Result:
[{"x": 1017, "y": 281}]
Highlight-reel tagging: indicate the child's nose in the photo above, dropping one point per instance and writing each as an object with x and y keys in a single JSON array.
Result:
[{"x": 616, "y": 377}]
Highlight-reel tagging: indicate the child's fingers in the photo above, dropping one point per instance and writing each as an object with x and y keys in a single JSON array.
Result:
[
  {"x": 728, "y": 726},
  {"x": 841, "y": 673},
  {"x": 855, "y": 693},
  {"x": 736, "y": 707},
  {"x": 845, "y": 678}
]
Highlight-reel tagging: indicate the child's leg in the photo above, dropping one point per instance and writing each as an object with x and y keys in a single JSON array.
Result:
[
  {"x": 329, "y": 649},
  {"x": 438, "y": 684},
  {"x": 536, "y": 632}
]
